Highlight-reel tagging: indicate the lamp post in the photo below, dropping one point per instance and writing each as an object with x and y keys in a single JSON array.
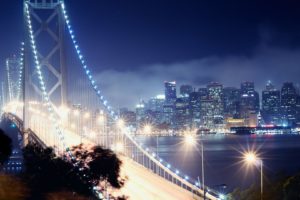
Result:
[
  {"x": 190, "y": 139},
  {"x": 251, "y": 158}
]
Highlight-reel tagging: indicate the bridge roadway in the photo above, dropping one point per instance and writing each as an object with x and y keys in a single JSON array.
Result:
[{"x": 141, "y": 183}]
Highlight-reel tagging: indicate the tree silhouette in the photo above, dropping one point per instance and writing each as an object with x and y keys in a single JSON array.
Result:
[
  {"x": 99, "y": 164},
  {"x": 44, "y": 173},
  {"x": 5, "y": 147}
]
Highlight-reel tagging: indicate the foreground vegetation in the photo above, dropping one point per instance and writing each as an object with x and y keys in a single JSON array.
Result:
[
  {"x": 46, "y": 176},
  {"x": 278, "y": 187}
]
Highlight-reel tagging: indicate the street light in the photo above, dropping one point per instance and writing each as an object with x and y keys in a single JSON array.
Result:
[
  {"x": 147, "y": 129},
  {"x": 252, "y": 159},
  {"x": 190, "y": 139}
]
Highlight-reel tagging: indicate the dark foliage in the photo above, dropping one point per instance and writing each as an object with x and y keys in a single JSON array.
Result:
[
  {"x": 5, "y": 147},
  {"x": 44, "y": 173},
  {"x": 99, "y": 164},
  {"x": 279, "y": 187}
]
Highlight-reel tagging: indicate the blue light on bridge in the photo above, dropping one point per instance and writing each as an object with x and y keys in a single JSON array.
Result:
[{"x": 221, "y": 196}]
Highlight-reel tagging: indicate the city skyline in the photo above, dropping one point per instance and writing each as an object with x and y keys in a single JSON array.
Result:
[{"x": 196, "y": 89}]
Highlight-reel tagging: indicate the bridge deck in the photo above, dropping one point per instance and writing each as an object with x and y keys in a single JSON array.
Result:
[{"x": 143, "y": 184}]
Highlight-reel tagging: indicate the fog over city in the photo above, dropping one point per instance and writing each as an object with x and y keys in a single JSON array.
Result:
[{"x": 267, "y": 63}]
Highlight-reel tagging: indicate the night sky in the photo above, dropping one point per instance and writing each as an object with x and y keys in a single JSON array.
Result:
[{"x": 135, "y": 45}]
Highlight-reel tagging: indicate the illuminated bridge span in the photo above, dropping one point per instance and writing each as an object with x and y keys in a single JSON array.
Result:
[{"x": 51, "y": 112}]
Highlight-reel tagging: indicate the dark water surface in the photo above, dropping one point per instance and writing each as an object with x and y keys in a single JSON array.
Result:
[{"x": 223, "y": 157}]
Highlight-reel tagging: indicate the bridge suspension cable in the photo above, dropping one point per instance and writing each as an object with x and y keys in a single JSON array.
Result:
[{"x": 21, "y": 74}]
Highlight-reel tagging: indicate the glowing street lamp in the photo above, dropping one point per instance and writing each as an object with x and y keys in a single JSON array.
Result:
[
  {"x": 190, "y": 139},
  {"x": 147, "y": 129},
  {"x": 252, "y": 159}
]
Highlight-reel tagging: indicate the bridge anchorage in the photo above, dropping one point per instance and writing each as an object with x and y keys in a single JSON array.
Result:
[{"x": 51, "y": 112}]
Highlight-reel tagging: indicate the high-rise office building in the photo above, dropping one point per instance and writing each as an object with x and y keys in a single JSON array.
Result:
[
  {"x": 170, "y": 92},
  {"x": 271, "y": 105},
  {"x": 140, "y": 114},
  {"x": 156, "y": 107},
  {"x": 215, "y": 93},
  {"x": 247, "y": 87},
  {"x": 168, "y": 115},
  {"x": 249, "y": 98},
  {"x": 169, "y": 105},
  {"x": 195, "y": 109},
  {"x": 232, "y": 98},
  {"x": 288, "y": 103},
  {"x": 207, "y": 113},
  {"x": 182, "y": 117},
  {"x": 156, "y": 103}
]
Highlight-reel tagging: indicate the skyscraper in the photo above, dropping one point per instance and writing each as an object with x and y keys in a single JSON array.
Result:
[
  {"x": 156, "y": 105},
  {"x": 182, "y": 117},
  {"x": 232, "y": 98},
  {"x": 215, "y": 93},
  {"x": 169, "y": 106},
  {"x": 170, "y": 92},
  {"x": 271, "y": 105},
  {"x": 249, "y": 98},
  {"x": 288, "y": 103},
  {"x": 207, "y": 113},
  {"x": 194, "y": 106}
]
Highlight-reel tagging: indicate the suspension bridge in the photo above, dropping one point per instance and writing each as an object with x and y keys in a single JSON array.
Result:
[{"x": 57, "y": 102}]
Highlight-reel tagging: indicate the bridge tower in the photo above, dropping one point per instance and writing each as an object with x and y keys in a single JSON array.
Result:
[{"x": 48, "y": 29}]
